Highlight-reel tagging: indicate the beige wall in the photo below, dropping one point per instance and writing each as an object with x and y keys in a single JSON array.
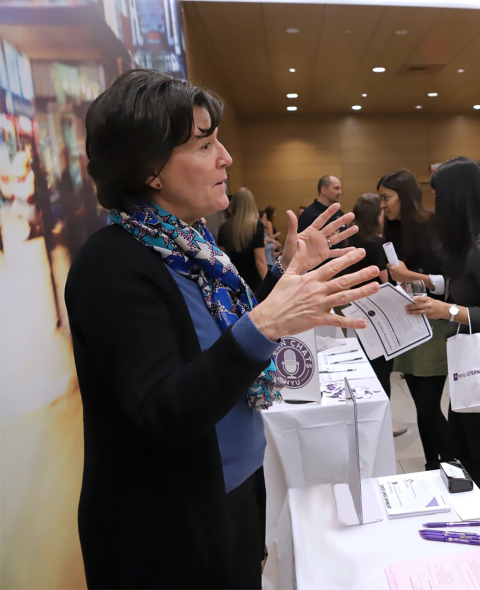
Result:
[
  {"x": 283, "y": 157},
  {"x": 202, "y": 71}
]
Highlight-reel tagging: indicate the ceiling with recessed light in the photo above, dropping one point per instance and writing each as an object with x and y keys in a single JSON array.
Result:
[{"x": 334, "y": 49}]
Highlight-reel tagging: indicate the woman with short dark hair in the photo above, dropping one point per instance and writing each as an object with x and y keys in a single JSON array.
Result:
[
  {"x": 457, "y": 230},
  {"x": 174, "y": 356}
]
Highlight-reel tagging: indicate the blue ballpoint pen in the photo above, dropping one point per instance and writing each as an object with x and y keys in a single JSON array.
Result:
[
  {"x": 449, "y": 534},
  {"x": 475, "y": 542},
  {"x": 441, "y": 525}
]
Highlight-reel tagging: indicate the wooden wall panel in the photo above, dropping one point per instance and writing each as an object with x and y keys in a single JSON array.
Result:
[
  {"x": 283, "y": 157},
  {"x": 203, "y": 70}
]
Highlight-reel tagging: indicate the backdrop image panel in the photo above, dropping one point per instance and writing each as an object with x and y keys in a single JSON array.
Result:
[{"x": 55, "y": 58}]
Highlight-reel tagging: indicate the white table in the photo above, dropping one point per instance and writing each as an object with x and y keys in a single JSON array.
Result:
[
  {"x": 312, "y": 548},
  {"x": 307, "y": 445}
]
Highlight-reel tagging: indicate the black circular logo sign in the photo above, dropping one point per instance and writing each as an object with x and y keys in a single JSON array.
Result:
[{"x": 295, "y": 363}]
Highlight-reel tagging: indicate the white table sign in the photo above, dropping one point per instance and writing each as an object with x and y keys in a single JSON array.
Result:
[{"x": 296, "y": 360}]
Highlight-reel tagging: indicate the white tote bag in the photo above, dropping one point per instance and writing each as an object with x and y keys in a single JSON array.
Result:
[{"x": 463, "y": 355}]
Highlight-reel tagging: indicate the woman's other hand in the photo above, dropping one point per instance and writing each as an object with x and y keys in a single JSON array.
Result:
[
  {"x": 302, "y": 301},
  {"x": 432, "y": 308},
  {"x": 315, "y": 237},
  {"x": 400, "y": 273}
]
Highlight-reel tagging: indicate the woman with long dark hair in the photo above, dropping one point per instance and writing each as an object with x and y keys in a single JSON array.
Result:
[
  {"x": 457, "y": 231},
  {"x": 409, "y": 227}
]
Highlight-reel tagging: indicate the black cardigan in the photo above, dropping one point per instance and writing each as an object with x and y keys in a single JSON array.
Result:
[{"x": 152, "y": 510}]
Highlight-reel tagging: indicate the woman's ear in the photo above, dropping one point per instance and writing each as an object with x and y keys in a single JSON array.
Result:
[{"x": 154, "y": 182}]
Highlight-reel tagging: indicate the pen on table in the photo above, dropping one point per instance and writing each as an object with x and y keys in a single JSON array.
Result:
[
  {"x": 441, "y": 525},
  {"x": 451, "y": 540},
  {"x": 359, "y": 358},
  {"x": 339, "y": 371},
  {"x": 428, "y": 532},
  {"x": 343, "y": 352}
]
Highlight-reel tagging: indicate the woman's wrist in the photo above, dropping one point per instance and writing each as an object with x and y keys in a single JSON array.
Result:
[
  {"x": 263, "y": 323},
  {"x": 446, "y": 310},
  {"x": 283, "y": 263}
]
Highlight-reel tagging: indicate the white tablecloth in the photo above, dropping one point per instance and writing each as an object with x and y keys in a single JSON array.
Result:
[
  {"x": 312, "y": 547},
  {"x": 308, "y": 445}
]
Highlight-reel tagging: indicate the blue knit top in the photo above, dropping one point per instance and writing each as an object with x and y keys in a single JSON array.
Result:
[{"x": 241, "y": 434}]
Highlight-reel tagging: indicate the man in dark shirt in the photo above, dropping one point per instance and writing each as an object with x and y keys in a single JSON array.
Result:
[{"x": 329, "y": 192}]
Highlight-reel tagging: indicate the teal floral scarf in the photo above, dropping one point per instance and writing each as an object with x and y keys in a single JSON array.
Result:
[{"x": 191, "y": 251}]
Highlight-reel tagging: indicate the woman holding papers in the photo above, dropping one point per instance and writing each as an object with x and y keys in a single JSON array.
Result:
[
  {"x": 457, "y": 231},
  {"x": 409, "y": 227},
  {"x": 174, "y": 356}
]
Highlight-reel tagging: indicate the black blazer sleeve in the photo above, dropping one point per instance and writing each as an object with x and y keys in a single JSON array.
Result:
[
  {"x": 473, "y": 266},
  {"x": 129, "y": 320}
]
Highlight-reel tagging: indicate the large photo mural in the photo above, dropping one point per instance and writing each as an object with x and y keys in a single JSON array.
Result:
[{"x": 55, "y": 58}]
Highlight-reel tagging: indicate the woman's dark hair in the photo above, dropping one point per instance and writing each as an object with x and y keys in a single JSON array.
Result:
[
  {"x": 367, "y": 211},
  {"x": 416, "y": 221},
  {"x": 270, "y": 212},
  {"x": 457, "y": 211},
  {"x": 133, "y": 128}
]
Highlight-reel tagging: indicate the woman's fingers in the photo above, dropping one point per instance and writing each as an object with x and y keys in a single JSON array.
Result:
[
  {"x": 292, "y": 223},
  {"x": 346, "y": 297},
  {"x": 340, "y": 321},
  {"x": 343, "y": 235},
  {"x": 332, "y": 268},
  {"x": 331, "y": 228},
  {"x": 297, "y": 264},
  {"x": 341, "y": 251},
  {"x": 348, "y": 281},
  {"x": 325, "y": 216}
]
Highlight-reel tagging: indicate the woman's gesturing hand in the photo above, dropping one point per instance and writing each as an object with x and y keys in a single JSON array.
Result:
[
  {"x": 302, "y": 301},
  {"x": 315, "y": 237}
]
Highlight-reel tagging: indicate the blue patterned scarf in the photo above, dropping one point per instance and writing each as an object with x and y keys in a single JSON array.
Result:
[{"x": 191, "y": 251}]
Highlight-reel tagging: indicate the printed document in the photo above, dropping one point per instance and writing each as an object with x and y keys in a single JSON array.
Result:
[
  {"x": 390, "y": 330},
  {"x": 460, "y": 571},
  {"x": 410, "y": 495},
  {"x": 349, "y": 360}
]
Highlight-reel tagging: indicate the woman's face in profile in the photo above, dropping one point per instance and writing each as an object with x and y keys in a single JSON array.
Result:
[
  {"x": 390, "y": 203},
  {"x": 193, "y": 179}
]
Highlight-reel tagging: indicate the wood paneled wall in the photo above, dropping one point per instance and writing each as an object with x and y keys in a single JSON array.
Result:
[
  {"x": 203, "y": 72},
  {"x": 284, "y": 156}
]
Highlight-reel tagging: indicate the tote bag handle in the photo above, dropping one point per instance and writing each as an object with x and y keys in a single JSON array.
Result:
[{"x": 469, "y": 323}]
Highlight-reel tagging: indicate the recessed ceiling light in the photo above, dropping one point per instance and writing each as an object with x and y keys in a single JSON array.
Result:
[
  {"x": 356, "y": 107},
  {"x": 419, "y": 106},
  {"x": 292, "y": 108},
  {"x": 348, "y": 32},
  {"x": 292, "y": 70},
  {"x": 378, "y": 70},
  {"x": 292, "y": 31},
  {"x": 292, "y": 95},
  {"x": 401, "y": 32},
  {"x": 364, "y": 95},
  {"x": 460, "y": 71},
  {"x": 476, "y": 107},
  {"x": 433, "y": 94}
]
